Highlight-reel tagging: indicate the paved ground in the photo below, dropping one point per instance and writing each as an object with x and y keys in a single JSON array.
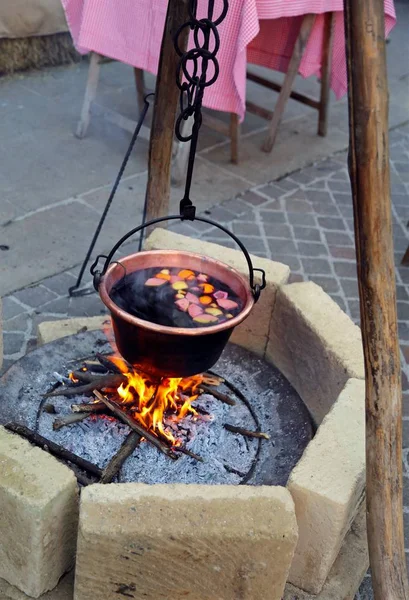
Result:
[{"x": 54, "y": 187}]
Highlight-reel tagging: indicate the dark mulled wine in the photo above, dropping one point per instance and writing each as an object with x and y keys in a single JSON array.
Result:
[{"x": 176, "y": 297}]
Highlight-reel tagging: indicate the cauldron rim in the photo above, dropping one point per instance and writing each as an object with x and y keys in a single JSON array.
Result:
[{"x": 115, "y": 273}]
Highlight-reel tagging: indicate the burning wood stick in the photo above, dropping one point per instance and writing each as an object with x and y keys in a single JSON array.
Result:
[
  {"x": 205, "y": 389},
  {"x": 69, "y": 420},
  {"x": 108, "y": 364},
  {"x": 130, "y": 444},
  {"x": 84, "y": 376},
  {"x": 246, "y": 432},
  {"x": 94, "y": 366},
  {"x": 88, "y": 407},
  {"x": 98, "y": 383},
  {"x": 125, "y": 418},
  {"x": 53, "y": 448},
  {"x": 210, "y": 379},
  {"x": 184, "y": 450}
]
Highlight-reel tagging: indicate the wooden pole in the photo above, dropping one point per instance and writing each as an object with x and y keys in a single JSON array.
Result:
[
  {"x": 369, "y": 172},
  {"x": 164, "y": 114}
]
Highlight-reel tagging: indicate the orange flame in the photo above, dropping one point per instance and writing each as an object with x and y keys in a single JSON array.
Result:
[{"x": 150, "y": 402}]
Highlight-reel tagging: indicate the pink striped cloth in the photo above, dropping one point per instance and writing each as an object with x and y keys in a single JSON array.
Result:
[{"x": 261, "y": 32}]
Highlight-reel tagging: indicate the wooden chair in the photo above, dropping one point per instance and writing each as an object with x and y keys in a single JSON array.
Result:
[
  {"x": 232, "y": 128},
  {"x": 285, "y": 90}
]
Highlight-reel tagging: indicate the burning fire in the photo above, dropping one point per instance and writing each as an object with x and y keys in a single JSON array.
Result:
[{"x": 150, "y": 402}]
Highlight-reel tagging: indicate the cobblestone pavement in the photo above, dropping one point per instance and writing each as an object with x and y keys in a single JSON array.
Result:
[{"x": 304, "y": 220}]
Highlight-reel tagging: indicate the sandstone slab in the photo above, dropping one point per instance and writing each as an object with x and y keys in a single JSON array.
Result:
[
  {"x": 314, "y": 344},
  {"x": 63, "y": 591},
  {"x": 348, "y": 570},
  {"x": 38, "y": 516},
  {"x": 327, "y": 486},
  {"x": 48, "y": 331},
  {"x": 184, "y": 541},
  {"x": 253, "y": 332}
]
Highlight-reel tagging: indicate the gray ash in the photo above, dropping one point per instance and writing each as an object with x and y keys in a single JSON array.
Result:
[{"x": 227, "y": 456}]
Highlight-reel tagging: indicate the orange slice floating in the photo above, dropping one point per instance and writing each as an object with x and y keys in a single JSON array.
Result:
[
  {"x": 186, "y": 273},
  {"x": 207, "y": 288},
  {"x": 165, "y": 276},
  {"x": 205, "y": 300}
]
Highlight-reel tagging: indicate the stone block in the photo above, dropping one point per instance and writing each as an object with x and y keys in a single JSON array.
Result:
[
  {"x": 63, "y": 591},
  {"x": 327, "y": 486},
  {"x": 38, "y": 517},
  {"x": 253, "y": 332},
  {"x": 48, "y": 331},
  {"x": 348, "y": 570},
  {"x": 314, "y": 344},
  {"x": 184, "y": 541}
]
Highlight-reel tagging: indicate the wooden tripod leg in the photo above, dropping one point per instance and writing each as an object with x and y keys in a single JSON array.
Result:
[
  {"x": 234, "y": 138},
  {"x": 164, "y": 114},
  {"x": 326, "y": 73},
  {"x": 140, "y": 87},
  {"x": 302, "y": 39},
  {"x": 90, "y": 93},
  {"x": 370, "y": 179}
]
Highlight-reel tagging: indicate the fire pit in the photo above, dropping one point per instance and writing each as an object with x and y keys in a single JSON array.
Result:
[
  {"x": 244, "y": 425},
  {"x": 251, "y": 520}
]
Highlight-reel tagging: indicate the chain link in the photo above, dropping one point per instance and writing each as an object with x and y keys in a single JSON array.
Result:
[{"x": 192, "y": 79}]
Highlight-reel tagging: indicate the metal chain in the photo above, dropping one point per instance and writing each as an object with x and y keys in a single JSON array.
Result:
[{"x": 192, "y": 80}]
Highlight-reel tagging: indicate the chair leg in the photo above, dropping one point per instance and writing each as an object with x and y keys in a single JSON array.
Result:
[
  {"x": 140, "y": 87},
  {"x": 326, "y": 74},
  {"x": 405, "y": 259},
  {"x": 90, "y": 93},
  {"x": 302, "y": 39},
  {"x": 234, "y": 138}
]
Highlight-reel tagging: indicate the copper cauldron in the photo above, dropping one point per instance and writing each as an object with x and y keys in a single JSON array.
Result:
[{"x": 173, "y": 351}]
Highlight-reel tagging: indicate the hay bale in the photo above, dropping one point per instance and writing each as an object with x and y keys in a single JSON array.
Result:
[{"x": 21, "y": 54}]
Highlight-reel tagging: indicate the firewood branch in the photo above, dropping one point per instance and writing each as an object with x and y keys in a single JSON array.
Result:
[{"x": 125, "y": 418}]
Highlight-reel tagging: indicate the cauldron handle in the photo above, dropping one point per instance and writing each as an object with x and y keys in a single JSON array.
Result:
[{"x": 255, "y": 287}]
